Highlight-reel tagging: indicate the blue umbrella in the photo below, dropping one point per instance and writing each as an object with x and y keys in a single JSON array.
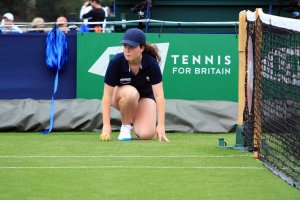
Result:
[{"x": 56, "y": 56}]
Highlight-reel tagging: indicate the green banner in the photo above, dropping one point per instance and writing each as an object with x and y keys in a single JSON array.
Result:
[{"x": 194, "y": 66}]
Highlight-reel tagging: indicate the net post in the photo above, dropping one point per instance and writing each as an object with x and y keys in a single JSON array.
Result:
[
  {"x": 241, "y": 79},
  {"x": 242, "y": 65},
  {"x": 257, "y": 135}
]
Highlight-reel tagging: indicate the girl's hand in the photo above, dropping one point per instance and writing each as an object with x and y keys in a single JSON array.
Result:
[
  {"x": 161, "y": 134},
  {"x": 105, "y": 135}
]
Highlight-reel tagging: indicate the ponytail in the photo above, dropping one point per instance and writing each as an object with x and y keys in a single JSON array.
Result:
[{"x": 153, "y": 51}]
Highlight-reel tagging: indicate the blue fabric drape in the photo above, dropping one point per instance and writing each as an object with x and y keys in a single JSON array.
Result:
[{"x": 56, "y": 56}]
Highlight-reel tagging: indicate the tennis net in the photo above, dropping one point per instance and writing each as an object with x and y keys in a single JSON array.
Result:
[{"x": 271, "y": 117}]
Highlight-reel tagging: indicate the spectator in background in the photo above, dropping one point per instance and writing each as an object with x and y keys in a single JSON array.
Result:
[
  {"x": 38, "y": 25},
  {"x": 62, "y": 24},
  {"x": 7, "y": 24},
  {"x": 109, "y": 9},
  {"x": 97, "y": 14},
  {"x": 86, "y": 7}
]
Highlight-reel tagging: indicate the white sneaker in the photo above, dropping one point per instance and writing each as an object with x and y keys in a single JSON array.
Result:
[{"x": 125, "y": 133}]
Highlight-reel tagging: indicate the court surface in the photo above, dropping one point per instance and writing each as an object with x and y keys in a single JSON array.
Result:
[{"x": 78, "y": 166}]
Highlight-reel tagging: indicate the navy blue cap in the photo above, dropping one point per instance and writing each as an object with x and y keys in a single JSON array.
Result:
[{"x": 134, "y": 37}]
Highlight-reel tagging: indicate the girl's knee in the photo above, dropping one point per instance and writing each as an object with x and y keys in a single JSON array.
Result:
[
  {"x": 128, "y": 93},
  {"x": 144, "y": 134},
  {"x": 146, "y": 137}
]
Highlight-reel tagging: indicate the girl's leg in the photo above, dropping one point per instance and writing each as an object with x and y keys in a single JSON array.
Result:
[
  {"x": 144, "y": 121},
  {"x": 125, "y": 99}
]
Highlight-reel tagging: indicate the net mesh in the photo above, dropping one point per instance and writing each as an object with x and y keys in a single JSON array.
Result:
[{"x": 272, "y": 125}]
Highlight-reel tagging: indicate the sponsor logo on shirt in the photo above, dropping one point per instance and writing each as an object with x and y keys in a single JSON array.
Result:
[{"x": 125, "y": 80}]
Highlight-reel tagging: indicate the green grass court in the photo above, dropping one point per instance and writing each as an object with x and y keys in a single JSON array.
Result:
[{"x": 79, "y": 166}]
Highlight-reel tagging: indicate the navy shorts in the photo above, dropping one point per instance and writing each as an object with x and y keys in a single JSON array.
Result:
[{"x": 151, "y": 96}]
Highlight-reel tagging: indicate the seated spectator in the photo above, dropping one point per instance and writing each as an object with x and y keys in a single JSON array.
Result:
[
  {"x": 7, "y": 24},
  {"x": 38, "y": 25},
  {"x": 62, "y": 23}
]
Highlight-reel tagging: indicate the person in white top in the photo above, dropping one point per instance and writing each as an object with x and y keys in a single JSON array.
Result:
[
  {"x": 7, "y": 24},
  {"x": 86, "y": 7}
]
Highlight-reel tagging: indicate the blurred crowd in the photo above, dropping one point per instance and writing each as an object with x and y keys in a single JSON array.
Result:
[{"x": 92, "y": 15}]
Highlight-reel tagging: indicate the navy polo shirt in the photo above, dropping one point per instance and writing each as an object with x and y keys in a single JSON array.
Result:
[{"x": 118, "y": 73}]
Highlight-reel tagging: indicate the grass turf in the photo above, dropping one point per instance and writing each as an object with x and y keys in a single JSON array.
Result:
[{"x": 79, "y": 166}]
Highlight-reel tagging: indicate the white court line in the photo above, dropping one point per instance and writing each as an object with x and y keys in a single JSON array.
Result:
[
  {"x": 114, "y": 156},
  {"x": 130, "y": 167}
]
